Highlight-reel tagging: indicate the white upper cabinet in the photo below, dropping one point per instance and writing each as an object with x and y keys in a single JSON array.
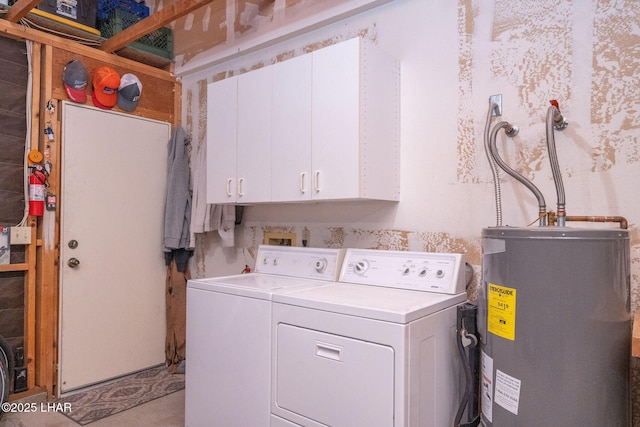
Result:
[
  {"x": 239, "y": 138},
  {"x": 291, "y": 130},
  {"x": 254, "y": 136},
  {"x": 355, "y": 123},
  {"x": 222, "y": 127},
  {"x": 321, "y": 126}
]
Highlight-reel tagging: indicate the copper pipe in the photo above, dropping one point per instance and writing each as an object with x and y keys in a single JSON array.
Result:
[{"x": 619, "y": 219}]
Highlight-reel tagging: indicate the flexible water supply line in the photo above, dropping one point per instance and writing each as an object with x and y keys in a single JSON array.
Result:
[
  {"x": 493, "y": 150},
  {"x": 555, "y": 120},
  {"x": 492, "y": 165}
]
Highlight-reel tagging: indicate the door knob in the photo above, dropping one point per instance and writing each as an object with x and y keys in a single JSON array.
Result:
[
  {"x": 73, "y": 244},
  {"x": 73, "y": 262}
]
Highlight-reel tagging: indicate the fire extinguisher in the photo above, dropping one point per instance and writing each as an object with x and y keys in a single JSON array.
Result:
[{"x": 37, "y": 181}]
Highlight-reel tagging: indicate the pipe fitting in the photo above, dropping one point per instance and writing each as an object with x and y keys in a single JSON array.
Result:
[
  {"x": 511, "y": 130},
  {"x": 559, "y": 122}
]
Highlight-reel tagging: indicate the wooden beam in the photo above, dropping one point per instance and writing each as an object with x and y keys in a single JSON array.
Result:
[
  {"x": 30, "y": 301},
  {"x": 14, "y": 267},
  {"x": 20, "y": 9},
  {"x": 49, "y": 231},
  {"x": 153, "y": 22}
]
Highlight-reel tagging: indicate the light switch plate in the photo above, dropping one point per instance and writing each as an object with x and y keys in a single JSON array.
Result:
[{"x": 20, "y": 235}]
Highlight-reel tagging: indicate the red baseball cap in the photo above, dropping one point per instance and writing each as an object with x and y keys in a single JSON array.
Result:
[{"x": 106, "y": 82}]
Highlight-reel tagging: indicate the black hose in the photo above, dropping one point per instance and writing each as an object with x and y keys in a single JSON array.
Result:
[{"x": 467, "y": 374}]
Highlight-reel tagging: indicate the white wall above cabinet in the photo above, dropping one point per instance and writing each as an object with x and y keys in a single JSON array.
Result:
[{"x": 321, "y": 126}]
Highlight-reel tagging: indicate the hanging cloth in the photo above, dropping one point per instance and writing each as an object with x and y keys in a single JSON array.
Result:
[{"x": 177, "y": 211}]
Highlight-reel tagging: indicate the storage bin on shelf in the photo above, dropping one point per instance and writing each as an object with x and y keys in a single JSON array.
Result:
[
  {"x": 158, "y": 42},
  {"x": 139, "y": 10}
]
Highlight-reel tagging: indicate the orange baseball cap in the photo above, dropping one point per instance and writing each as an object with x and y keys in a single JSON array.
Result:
[{"x": 106, "y": 82}]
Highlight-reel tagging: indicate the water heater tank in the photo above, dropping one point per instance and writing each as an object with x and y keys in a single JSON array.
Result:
[{"x": 555, "y": 325}]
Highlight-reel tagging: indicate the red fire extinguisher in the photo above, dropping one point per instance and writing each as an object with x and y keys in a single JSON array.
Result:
[{"x": 37, "y": 182}]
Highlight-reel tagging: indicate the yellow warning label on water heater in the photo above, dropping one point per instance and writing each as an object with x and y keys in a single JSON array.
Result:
[{"x": 501, "y": 311}]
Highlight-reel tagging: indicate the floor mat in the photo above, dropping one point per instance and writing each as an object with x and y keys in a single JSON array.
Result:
[{"x": 120, "y": 395}]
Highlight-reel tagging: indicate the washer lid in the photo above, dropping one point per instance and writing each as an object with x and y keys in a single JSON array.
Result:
[
  {"x": 254, "y": 285},
  {"x": 373, "y": 302}
]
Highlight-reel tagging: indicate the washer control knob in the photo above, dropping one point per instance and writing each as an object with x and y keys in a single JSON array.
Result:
[
  {"x": 321, "y": 265},
  {"x": 422, "y": 272},
  {"x": 276, "y": 261},
  {"x": 361, "y": 267},
  {"x": 406, "y": 270},
  {"x": 440, "y": 274}
]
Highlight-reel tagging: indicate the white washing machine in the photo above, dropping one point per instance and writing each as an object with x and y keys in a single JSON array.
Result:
[
  {"x": 376, "y": 349},
  {"x": 228, "y": 354}
]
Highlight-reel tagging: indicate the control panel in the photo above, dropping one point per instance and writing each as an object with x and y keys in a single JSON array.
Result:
[
  {"x": 313, "y": 263},
  {"x": 420, "y": 271}
]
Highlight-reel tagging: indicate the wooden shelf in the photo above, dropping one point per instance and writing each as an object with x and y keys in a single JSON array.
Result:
[{"x": 51, "y": 26}]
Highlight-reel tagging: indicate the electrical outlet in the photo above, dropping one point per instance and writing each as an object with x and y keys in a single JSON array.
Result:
[{"x": 20, "y": 235}]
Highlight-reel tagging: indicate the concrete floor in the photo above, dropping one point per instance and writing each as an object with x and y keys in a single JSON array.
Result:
[{"x": 168, "y": 411}]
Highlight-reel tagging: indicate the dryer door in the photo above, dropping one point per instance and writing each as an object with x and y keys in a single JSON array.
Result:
[{"x": 334, "y": 380}]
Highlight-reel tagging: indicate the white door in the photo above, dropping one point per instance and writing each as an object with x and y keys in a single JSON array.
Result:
[{"x": 112, "y": 304}]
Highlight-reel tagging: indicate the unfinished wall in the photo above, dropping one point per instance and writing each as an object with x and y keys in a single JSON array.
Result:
[
  {"x": 229, "y": 28},
  {"x": 453, "y": 56},
  {"x": 13, "y": 119}
]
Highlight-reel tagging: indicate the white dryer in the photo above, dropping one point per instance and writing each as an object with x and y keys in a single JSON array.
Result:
[
  {"x": 376, "y": 349},
  {"x": 228, "y": 354}
]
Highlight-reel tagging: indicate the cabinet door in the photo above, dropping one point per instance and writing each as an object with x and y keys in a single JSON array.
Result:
[
  {"x": 291, "y": 130},
  {"x": 222, "y": 111},
  {"x": 254, "y": 136},
  {"x": 335, "y": 121}
]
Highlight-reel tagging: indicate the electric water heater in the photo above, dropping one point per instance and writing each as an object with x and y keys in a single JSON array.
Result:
[{"x": 555, "y": 325}]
